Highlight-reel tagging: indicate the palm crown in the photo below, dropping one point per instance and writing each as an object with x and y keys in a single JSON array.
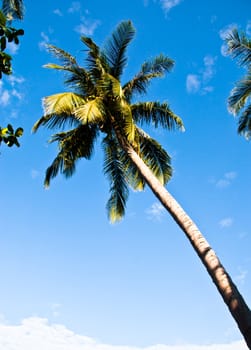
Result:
[
  {"x": 239, "y": 47},
  {"x": 100, "y": 105}
]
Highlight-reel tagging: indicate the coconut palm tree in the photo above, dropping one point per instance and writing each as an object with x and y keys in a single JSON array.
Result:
[
  {"x": 100, "y": 105},
  {"x": 239, "y": 47},
  {"x": 13, "y": 9}
]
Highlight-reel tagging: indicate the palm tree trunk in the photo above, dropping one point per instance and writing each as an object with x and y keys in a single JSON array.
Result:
[{"x": 229, "y": 292}]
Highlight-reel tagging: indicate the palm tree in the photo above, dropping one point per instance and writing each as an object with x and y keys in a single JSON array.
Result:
[
  {"x": 100, "y": 105},
  {"x": 13, "y": 9},
  {"x": 239, "y": 47}
]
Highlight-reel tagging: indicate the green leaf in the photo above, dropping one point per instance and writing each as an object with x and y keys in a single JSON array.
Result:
[
  {"x": 19, "y": 132},
  {"x": 10, "y": 128}
]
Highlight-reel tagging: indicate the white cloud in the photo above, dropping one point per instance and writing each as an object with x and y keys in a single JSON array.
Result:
[
  {"x": 43, "y": 43},
  {"x": 226, "y": 180},
  {"x": 12, "y": 48},
  {"x": 226, "y": 222},
  {"x": 4, "y": 97},
  {"x": 230, "y": 175},
  {"x": 87, "y": 27},
  {"x": 34, "y": 173},
  {"x": 37, "y": 333},
  {"x": 7, "y": 93},
  {"x": 75, "y": 7},
  {"x": 58, "y": 12},
  {"x": 167, "y": 5},
  {"x": 209, "y": 71},
  {"x": 13, "y": 79},
  {"x": 55, "y": 308},
  {"x": 193, "y": 83},
  {"x": 156, "y": 211},
  {"x": 199, "y": 82},
  {"x": 241, "y": 277}
]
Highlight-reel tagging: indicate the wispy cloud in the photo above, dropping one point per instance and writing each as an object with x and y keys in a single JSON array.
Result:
[
  {"x": 58, "y": 12},
  {"x": 167, "y": 5},
  {"x": 75, "y": 7},
  {"x": 13, "y": 48},
  {"x": 11, "y": 88},
  {"x": 34, "y": 173},
  {"x": 193, "y": 83},
  {"x": 156, "y": 211},
  {"x": 226, "y": 222},
  {"x": 87, "y": 26},
  {"x": 198, "y": 82},
  {"x": 44, "y": 42},
  {"x": 241, "y": 276},
  {"x": 225, "y": 181},
  {"x": 37, "y": 333},
  {"x": 55, "y": 308},
  {"x": 4, "y": 97}
]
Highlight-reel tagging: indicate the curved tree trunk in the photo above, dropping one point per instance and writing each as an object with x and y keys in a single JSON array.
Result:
[{"x": 229, "y": 292}]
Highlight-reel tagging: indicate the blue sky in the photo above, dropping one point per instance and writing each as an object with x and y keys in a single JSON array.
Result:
[{"x": 71, "y": 280}]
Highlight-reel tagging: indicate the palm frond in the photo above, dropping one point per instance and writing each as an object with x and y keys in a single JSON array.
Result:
[
  {"x": 244, "y": 123},
  {"x": 115, "y": 47},
  {"x": 77, "y": 77},
  {"x": 52, "y": 121},
  {"x": 154, "y": 68},
  {"x": 239, "y": 47},
  {"x": 53, "y": 169},
  {"x": 134, "y": 177},
  {"x": 59, "y": 110},
  {"x": 96, "y": 61},
  {"x": 81, "y": 81},
  {"x": 109, "y": 88},
  {"x": 73, "y": 145},
  {"x": 113, "y": 169},
  {"x": 156, "y": 158},
  {"x": 161, "y": 64},
  {"x": 156, "y": 114},
  {"x": 240, "y": 94},
  {"x": 65, "y": 102},
  {"x": 63, "y": 56},
  {"x": 123, "y": 122},
  {"x": 92, "y": 112},
  {"x": 13, "y": 9}
]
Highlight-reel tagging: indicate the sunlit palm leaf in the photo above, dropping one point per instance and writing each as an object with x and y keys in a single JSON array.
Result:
[
  {"x": 65, "y": 102},
  {"x": 156, "y": 114},
  {"x": 59, "y": 110},
  {"x": 110, "y": 87},
  {"x": 91, "y": 112},
  {"x": 116, "y": 45},
  {"x": 113, "y": 169}
]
